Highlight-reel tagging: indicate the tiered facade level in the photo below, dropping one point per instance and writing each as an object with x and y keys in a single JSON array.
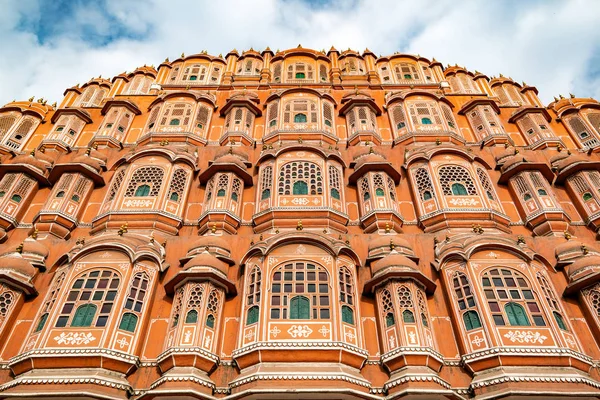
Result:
[{"x": 300, "y": 224}]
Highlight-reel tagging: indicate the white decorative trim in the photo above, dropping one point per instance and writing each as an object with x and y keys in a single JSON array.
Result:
[
  {"x": 337, "y": 377},
  {"x": 524, "y": 351},
  {"x": 75, "y": 352},
  {"x": 294, "y": 345},
  {"x": 549, "y": 379}
]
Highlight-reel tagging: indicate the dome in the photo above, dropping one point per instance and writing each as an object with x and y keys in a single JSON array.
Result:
[
  {"x": 395, "y": 261},
  {"x": 584, "y": 268},
  {"x": 35, "y": 252},
  {"x": 561, "y": 161},
  {"x": 206, "y": 260},
  {"x": 91, "y": 162},
  {"x": 17, "y": 263},
  {"x": 369, "y": 158},
  {"x": 572, "y": 249},
  {"x": 209, "y": 241},
  {"x": 231, "y": 159},
  {"x": 35, "y": 161},
  {"x": 382, "y": 245}
]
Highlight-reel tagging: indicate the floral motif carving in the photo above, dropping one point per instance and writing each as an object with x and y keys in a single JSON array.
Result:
[
  {"x": 525, "y": 337},
  {"x": 299, "y": 331},
  {"x": 74, "y": 338}
]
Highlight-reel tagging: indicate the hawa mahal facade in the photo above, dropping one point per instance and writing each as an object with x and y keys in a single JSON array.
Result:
[{"x": 300, "y": 224}]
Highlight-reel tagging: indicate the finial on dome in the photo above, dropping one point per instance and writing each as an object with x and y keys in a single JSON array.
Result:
[
  {"x": 571, "y": 95},
  {"x": 561, "y": 96},
  {"x": 182, "y": 55},
  {"x": 167, "y": 59},
  {"x": 555, "y": 99},
  {"x": 299, "y": 46},
  {"x": 54, "y": 105},
  {"x": 31, "y": 98}
]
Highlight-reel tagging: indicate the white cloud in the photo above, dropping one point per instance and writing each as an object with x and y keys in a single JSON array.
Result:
[{"x": 549, "y": 44}]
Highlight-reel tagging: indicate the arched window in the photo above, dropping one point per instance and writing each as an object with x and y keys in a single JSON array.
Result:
[
  {"x": 300, "y": 187},
  {"x": 60, "y": 194},
  {"x": 266, "y": 182},
  {"x": 174, "y": 122},
  {"x": 253, "y": 295},
  {"x": 456, "y": 181},
  {"x": 41, "y": 322},
  {"x": 347, "y": 315},
  {"x": 387, "y": 308},
  {"x": 458, "y": 189},
  {"x": 50, "y": 300},
  {"x": 306, "y": 172},
  {"x": 364, "y": 188},
  {"x": 300, "y": 71},
  {"x": 142, "y": 190},
  {"x": 191, "y": 317},
  {"x": 552, "y": 301},
  {"x": 347, "y": 295},
  {"x": 466, "y": 301},
  {"x": 7, "y": 302},
  {"x": 516, "y": 315},
  {"x": 16, "y": 198},
  {"x": 300, "y": 280},
  {"x": 84, "y": 316},
  {"x": 587, "y": 196},
  {"x": 300, "y": 118},
  {"x": 266, "y": 193},
  {"x": 406, "y": 304},
  {"x": 426, "y": 121},
  {"x": 422, "y": 308},
  {"x": 508, "y": 295},
  {"x": 423, "y": 182},
  {"x": 128, "y": 322},
  {"x": 252, "y": 315},
  {"x": 471, "y": 320},
  {"x": 178, "y": 184},
  {"x": 145, "y": 176},
  {"x": 212, "y": 308},
  {"x": 97, "y": 288},
  {"x": 485, "y": 182},
  {"x": 177, "y": 306},
  {"x": 334, "y": 182}
]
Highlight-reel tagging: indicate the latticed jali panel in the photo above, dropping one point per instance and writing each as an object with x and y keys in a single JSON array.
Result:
[
  {"x": 423, "y": 181},
  {"x": 450, "y": 174},
  {"x": 178, "y": 183},
  {"x": 300, "y": 171},
  {"x": 153, "y": 176}
]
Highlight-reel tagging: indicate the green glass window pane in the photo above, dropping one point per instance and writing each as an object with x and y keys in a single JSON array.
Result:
[
  {"x": 234, "y": 196},
  {"x": 128, "y": 322},
  {"x": 174, "y": 196},
  {"x": 560, "y": 321},
  {"x": 366, "y": 196},
  {"x": 400, "y": 125},
  {"x": 265, "y": 194},
  {"x": 335, "y": 193},
  {"x": 300, "y": 187},
  {"x": 516, "y": 314},
  {"x": 379, "y": 192},
  {"x": 221, "y": 193},
  {"x": 587, "y": 196},
  {"x": 347, "y": 315},
  {"x": 299, "y": 308},
  {"x": 427, "y": 195},
  {"x": 526, "y": 196},
  {"x": 210, "y": 321},
  {"x": 389, "y": 320},
  {"x": 408, "y": 316},
  {"x": 542, "y": 192},
  {"x": 42, "y": 322},
  {"x": 174, "y": 121},
  {"x": 300, "y": 75},
  {"x": 84, "y": 315},
  {"x": 425, "y": 121},
  {"x": 458, "y": 189},
  {"x": 16, "y": 198},
  {"x": 300, "y": 118},
  {"x": 424, "y": 320},
  {"x": 252, "y": 315},
  {"x": 142, "y": 190},
  {"x": 327, "y": 122},
  {"x": 60, "y": 194},
  {"x": 191, "y": 317},
  {"x": 471, "y": 319}
]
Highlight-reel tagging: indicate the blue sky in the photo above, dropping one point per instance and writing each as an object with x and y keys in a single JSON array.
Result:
[{"x": 51, "y": 45}]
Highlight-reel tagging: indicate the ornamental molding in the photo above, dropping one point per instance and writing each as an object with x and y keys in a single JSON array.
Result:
[
  {"x": 74, "y": 338},
  {"x": 87, "y": 352},
  {"x": 322, "y": 377},
  {"x": 416, "y": 378},
  {"x": 64, "y": 381},
  {"x": 300, "y": 344},
  {"x": 537, "y": 379},
  {"x": 525, "y": 337},
  {"x": 185, "y": 378},
  {"x": 399, "y": 351},
  {"x": 187, "y": 350},
  {"x": 525, "y": 351}
]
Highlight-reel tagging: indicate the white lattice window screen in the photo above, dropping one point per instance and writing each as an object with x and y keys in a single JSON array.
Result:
[
  {"x": 177, "y": 308},
  {"x": 422, "y": 304},
  {"x": 405, "y": 300},
  {"x": 391, "y": 188},
  {"x": 514, "y": 95},
  {"x": 18, "y": 136},
  {"x": 117, "y": 182},
  {"x": 365, "y": 192},
  {"x": 594, "y": 177},
  {"x": 215, "y": 74},
  {"x": 222, "y": 185},
  {"x": 239, "y": 119},
  {"x": 449, "y": 117},
  {"x": 478, "y": 123},
  {"x": 485, "y": 183},
  {"x": 236, "y": 192},
  {"x": 7, "y": 181},
  {"x": 66, "y": 129},
  {"x": 53, "y": 293},
  {"x": 194, "y": 300},
  {"x": 277, "y": 72},
  {"x": 323, "y": 73},
  {"x": 194, "y": 73},
  {"x": 492, "y": 120},
  {"x": 300, "y": 71},
  {"x": 522, "y": 186},
  {"x": 425, "y": 115},
  {"x": 508, "y": 95},
  {"x": 23, "y": 186},
  {"x": 579, "y": 183},
  {"x": 585, "y": 135},
  {"x": 462, "y": 83},
  {"x": 335, "y": 186},
  {"x": 210, "y": 187},
  {"x": 153, "y": 118},
  {"x": 253, "y": 293},
  {"x": 173, "y": 75},
  {"x": 294, "y": 108},
  {"x": 176, "y": 117},
  {"x": 81, "y": 186},
  {"x": 202, "y": 118},
  {"x": 249, "y": 66},
  {"x": 213, "y": 306},
  {"x": 406, "y": 71},
  {"x": 300, "y": 171},
  {"x": 97, "y": 99},
  {"x": 7, "y": 120},
  {"x": 363, "y": 119},
  {"x": 387, "y": 304},
  {"x": 399, "y": 119},
  {"x": 450, "y": 174},
  {"x": 7, "y": 302},
  {"x": 502, "y": 96},
  {"x": 353, "y": 66},
  {"x": 327, "y": 115},
  {"x": 384, "y": 72},
  {"x": 136, "y": 293},
  {"x": 151, "y": 176},
  {"x": 593, "y": 297},
  {"x": 140, "y": 84},
  {"x": 177, "y": 185},
  {"x": 548, "y": 293},
  {"x": 424, "y": 184},
  {"x": 594, "y": 120},
  {"x": 543, "y": 126},
  {"x": 85, "y": 98},
  {"x": 116, "y": 123},
  {"x": 272, "y": 112}
]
